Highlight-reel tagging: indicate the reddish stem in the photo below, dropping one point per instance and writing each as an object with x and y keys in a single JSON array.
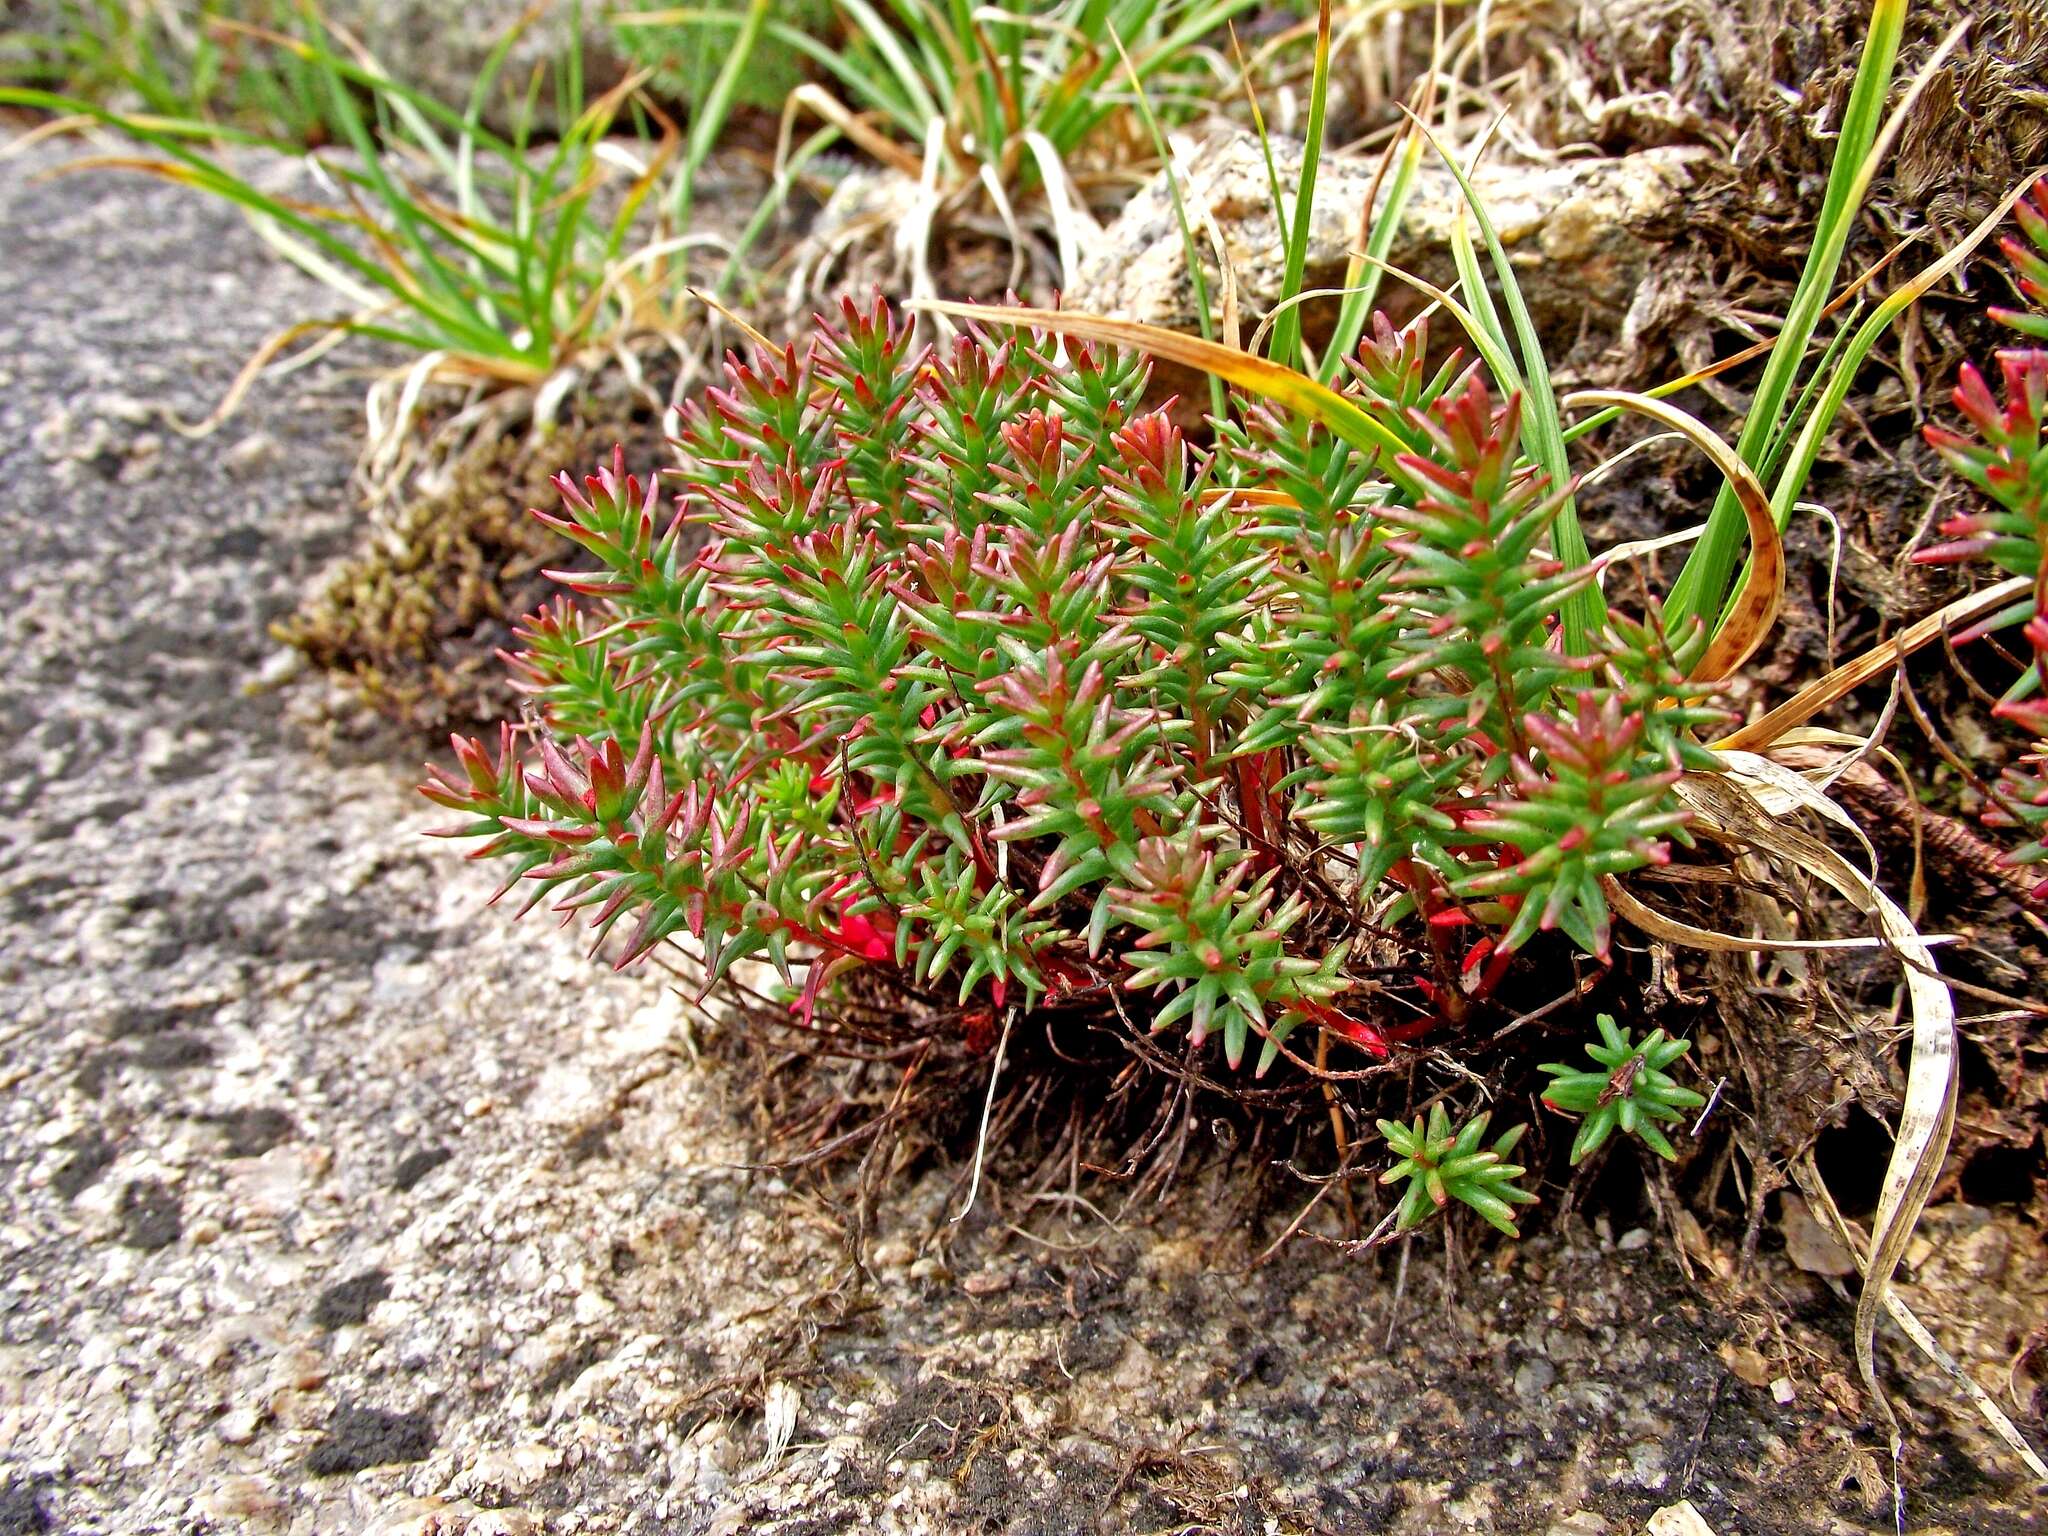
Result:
[{"x": 1450, "y": 996}]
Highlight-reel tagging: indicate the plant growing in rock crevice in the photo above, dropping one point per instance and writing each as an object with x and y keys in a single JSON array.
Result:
[{"x": 993, "y": 686}]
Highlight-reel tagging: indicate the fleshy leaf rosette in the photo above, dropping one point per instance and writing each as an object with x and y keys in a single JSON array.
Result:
[
  {"x": 1441, "y": 1165},
  {"x": 1633, "y": 1092}
]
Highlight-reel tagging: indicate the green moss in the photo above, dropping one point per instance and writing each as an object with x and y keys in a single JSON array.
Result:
[{"x": 412, "y": 621}]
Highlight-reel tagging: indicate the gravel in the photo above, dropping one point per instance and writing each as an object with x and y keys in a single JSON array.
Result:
[{"x": 335, "y": 1204}]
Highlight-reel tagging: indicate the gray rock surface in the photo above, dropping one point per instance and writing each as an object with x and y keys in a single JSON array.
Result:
[{"x": 333, "y": 1204}]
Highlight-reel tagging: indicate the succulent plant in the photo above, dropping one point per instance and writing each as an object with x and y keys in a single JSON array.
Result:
[
  {"x": 2024, "y": 804},
  {"x": 1441, "y": 1165},
  {"x": 1632, "y": 1092},
  {"x": 2005, "y": 458},
  {"x": 990, "y": 680},
  {"x": 2030, "y": 266}
]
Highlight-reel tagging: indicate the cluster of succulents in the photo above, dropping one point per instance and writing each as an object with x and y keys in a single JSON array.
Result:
[
  {"x": 988, "y": 661},
  {"x": 990, "y": 681}
]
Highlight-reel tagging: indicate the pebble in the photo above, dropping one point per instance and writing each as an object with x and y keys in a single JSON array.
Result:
[
  {"x": 1533, "y": 1378},
  {"x": 241, "y": 1497},
  {"x": 510, "y": 1470},
  {"x": 251, "y": 455},
  {"x": 892, "y": 1254}
]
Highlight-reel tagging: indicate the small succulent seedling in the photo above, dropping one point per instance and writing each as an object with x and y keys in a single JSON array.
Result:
[
  {"x": 1441, "y": 1166},
  {"x": 1632, "y": 1090}
]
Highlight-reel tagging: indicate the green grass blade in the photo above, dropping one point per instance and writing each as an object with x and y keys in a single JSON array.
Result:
[
  {"x": 1286, "y": 347},
  {"x": 1703, "y": 584},
  {"x": 713, "y": 110},
  {"x": 411, "y": 223},
  {"x": 1362, "y": 275},
  {"x": 909, "y": 80},
  {"x": 473, "y": 113},
  {"x": 569, "y": 94},
  {"x": 944, "y": 47},
  {"x": 1499, "y": 362},
  {"x": 1472, "y": 280},
  {"x": 865, "y": 89},
  {"x": 381, "y": 85},
  {"x": 526, "y": 207},
  {"x": 772, "y": 204},
  {"x": 1798, "y": 465},
  {"x": 1085, "y": 98},
  {"x": 981, "y": 66},
  {"x": 1265, "y": 139},
  {"x": 1219, "y": 400},
  {"x": 475, "y": 240},
  {"x": 1584, "y": 613},
  {"x": 1802, "y": 407}
]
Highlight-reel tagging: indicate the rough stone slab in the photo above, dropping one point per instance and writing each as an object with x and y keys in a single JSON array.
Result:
[{"x": 1580, "y": 234}]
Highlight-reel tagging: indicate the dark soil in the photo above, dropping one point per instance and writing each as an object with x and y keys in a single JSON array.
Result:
[
  {"x": 348, "y": 1302},
  {"x": 149, "y": 1216},
  {"x": 416, "y": 1165}
]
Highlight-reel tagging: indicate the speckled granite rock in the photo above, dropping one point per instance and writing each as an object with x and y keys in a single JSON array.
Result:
[{"x": 334, "y": 1205}]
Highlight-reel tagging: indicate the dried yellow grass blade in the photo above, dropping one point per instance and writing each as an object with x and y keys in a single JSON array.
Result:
[
  {"x": 1755, "y": 609},
  {"x": 246, "y": 375},
  {"x": 735, "y": 321},
  {"x": 186, "y": 176},
  {"x": 1725, "y": 808},
  {"x": 1247, "y": 496},
  {"x": 1824, "y": 691},
  {"x": 1661, "y": 925},
  {"x": 1807, "y": 1176},
  {"x": 1270, "y": 381},
  {"x": 822, "y": 103},
  {"x": 1781, "y": 791}
]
